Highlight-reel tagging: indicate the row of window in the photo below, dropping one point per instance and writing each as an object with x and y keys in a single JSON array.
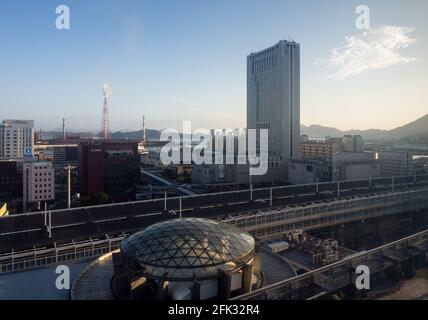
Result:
[
  {"x": 41, "y": 180},
  {"x": 43, "y": 191},
  {"x": 41, "y": 197},
  {"x": 45, "y": 173},
  {"x": 42, "y": 186}
]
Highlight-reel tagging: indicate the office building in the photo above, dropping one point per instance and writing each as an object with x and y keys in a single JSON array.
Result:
[
  {"x": 305, "y": 171},
  {"x": 355, "y": 166},
  {"x": 395, "y": 163},
  {"x": 420, "y": 164},
  {"x": 110, "y": 167},
  {"x": 214, "y": 176},
  {"x": 273, "y": 98},
  {"x": 314, "y": 149},
  {"x": 60, "y": 154},
  {"x": 353, "y": 143},
  {"x": 38, "y": 182},
  {"x": 10, "y": 179},
  {"x": 15, "y": 137}
]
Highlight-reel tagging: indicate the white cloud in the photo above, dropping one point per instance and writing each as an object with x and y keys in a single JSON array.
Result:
[{"x": 371, "y": 50}]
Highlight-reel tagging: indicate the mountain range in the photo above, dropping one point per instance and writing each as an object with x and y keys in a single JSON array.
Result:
[
  {"x": 415, "y": 128},
  {"x": 414, "y": 131}
]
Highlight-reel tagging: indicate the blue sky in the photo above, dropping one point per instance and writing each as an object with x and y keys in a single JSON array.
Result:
[{"x": 186, "y": 60}]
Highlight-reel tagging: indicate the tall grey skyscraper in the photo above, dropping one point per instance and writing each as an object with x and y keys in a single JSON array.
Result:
[
  {"x": 15, "y": 136},
  {"x": 273, "y": 97}
]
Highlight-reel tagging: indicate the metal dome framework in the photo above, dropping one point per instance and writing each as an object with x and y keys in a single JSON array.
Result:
[{"x": 185, "y": 249}]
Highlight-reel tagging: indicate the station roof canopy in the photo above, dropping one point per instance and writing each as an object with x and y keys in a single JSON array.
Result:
[{"x": 185, "y": 249}]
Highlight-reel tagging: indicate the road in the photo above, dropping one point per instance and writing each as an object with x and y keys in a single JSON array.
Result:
[{"x": 162, "y": 180}]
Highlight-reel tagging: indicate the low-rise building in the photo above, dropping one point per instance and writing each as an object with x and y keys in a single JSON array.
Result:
[
  {"x": 11, "y": 178},
  {"x": 315, "y": 149},
  {"x": 305, "y": 171},
  {"x": 420, "y": 163},
  {"x": 395, "y": 163},
  {"x": 353, "y": 143},
  {"x": 110, "y": 167},
  {"x": 38, "y": 182},
  {"x": 355, "y": 166}
]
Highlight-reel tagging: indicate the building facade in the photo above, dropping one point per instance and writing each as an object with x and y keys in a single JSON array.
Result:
[
  {"x": 109, "y": 167},
  {"x": 395, "y": 163},
  {"x": 273, "y": 97},
  {"x": 315, "y": 149},
  {"x": 353, "y": 143},
  {"x": 60, "y": 155},
  {"x": 38, "y": 182},
  {"x": 355, "y": 166},
  {"x": 10, "y": 179},
  {"x": 305, "y": 171},
  {"x": 15, "y": 137}
]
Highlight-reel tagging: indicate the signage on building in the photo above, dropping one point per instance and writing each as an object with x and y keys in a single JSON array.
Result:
[{"x": 28, "y": 152}]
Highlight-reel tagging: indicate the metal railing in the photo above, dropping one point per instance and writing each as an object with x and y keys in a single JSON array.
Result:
[
  {"x": 389, "y": 181},
  {"x": 72, "y": 252},
  {"x": 373, "y": 258},
  {"x": 267, "y": 223}
]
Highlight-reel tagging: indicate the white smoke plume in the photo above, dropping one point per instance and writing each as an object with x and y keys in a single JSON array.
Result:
[{"x": 106, "y": 90}]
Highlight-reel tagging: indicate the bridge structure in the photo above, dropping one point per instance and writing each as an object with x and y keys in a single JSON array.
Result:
[
  {"x": 168, "y": 183},
  {"x": 268, "y": 223},
  {"x": 392, "y": 260},
  {"x": 34, "y": 239}
]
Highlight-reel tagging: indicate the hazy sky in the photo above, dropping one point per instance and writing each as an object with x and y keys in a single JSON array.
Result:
[{"x": 186, "y": 60}]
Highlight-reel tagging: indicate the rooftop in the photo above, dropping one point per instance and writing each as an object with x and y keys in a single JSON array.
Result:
[{"x": 187, "y": 248}]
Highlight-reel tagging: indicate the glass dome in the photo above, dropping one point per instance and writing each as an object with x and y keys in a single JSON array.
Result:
[{"x": 184, "y": 249}]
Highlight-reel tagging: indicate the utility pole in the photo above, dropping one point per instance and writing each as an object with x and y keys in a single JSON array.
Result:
[
  {"x": 180, "y": 207},
  {"x": 69, "y": 168}
]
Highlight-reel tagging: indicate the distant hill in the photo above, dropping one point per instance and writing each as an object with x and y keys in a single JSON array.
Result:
[
  {"x": 421, "y": 138},
  {"x": 136, "y": 135},
  {"x": 414, "y": 131},
  {"x": 418, "y": 127},
  {"x": 318, "y": 131},
  {"x": 118, "y": 135},
  {"x": 415, "y": 128}
]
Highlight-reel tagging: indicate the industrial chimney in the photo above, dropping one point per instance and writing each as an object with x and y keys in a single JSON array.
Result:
[{"x": 64, "y": 135}]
